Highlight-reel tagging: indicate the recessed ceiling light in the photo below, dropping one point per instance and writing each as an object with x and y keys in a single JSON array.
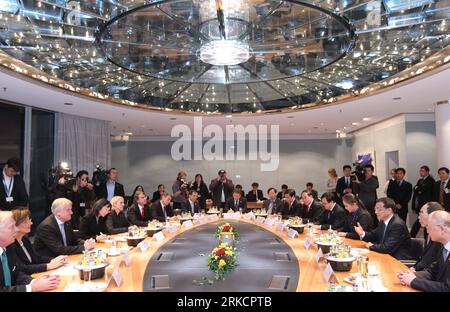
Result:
[
  {"x": 128, "y": 133},
  {"x": 68, "y": 103},
  {"x": 355, "y": 123},
  {"x": 366, "y": 119},
  {"x": 228, "y": 116}
]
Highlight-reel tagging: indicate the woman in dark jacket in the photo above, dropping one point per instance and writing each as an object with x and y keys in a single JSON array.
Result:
[
  {"x": 202, "y": 189},
  {"x": 357, "y": 214},
  {"x": 157, "y": 194},
  {"x": 30, "y": 261},
  {"x": 116, "y": 222},
  {"x": 93, "y": 225}
]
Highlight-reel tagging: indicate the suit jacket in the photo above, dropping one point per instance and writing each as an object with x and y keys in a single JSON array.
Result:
[
  {"x": 336, "y": 219},
  {"x": 430, "y": 255},
  {"x": 188, "y": 208},
  {"x": 436, "y": 278},
  {"x": 216, "y": 189},
  {"x": 422, "y": 193},
  {"x": 158, "y": 213},
  {"x": 251, "y": 197},
  {"x": 38, "y": 263},
  {"x": 367, "y": 192},
  {"x": 276, "y": 207},
  {"x": 341, "y": 186},
  {"x": 90, "y": 228},
  {"x": 290, "y": 211},
  {"x": 436, "y": 190},
  {"x": 81, "y": 200},
  {"x": 49, "y": 242},
  {"x": 135, "y": 216},
  {"x": 156, "y": 196},
  {"x": 18, "y": 193},
  {"x": 102, "y": 190},
  {"x": 18, "y": 278},
  {"x": 361, "y": 216},
  {"x": 313, "y": 213},
  {"x": 280, "y": 195},
  {"x": 242, "y": 204},
  {"x": 203, "y": 193},
  {"x": 117, "y": 223},
  {"x": 400, "y": 194},
  {"x": 396, "y": 238}
]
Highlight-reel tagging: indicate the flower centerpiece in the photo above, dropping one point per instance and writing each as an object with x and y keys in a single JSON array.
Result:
[
  {"x": 222, "y": 260},
  {"x": 225, "y": 232}
]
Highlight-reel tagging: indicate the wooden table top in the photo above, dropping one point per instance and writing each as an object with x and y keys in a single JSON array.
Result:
[{"x": 311, "y": 272}]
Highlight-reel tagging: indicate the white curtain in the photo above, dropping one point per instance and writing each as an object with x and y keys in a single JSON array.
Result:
[{"x": 82, "y": 142}]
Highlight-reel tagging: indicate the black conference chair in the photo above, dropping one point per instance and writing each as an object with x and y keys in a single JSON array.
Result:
[{"x": 415, "y": 251}]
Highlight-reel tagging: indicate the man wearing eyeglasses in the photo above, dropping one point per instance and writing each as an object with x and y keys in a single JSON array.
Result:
[
  {"x": 436, "y": 278},
  {"x": 391, "y": 236}
]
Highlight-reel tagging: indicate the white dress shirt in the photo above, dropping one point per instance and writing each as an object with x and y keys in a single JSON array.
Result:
[{"x": 8, "y": 183}]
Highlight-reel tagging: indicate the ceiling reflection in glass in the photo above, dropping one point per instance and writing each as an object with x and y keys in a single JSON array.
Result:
[{"x": 223, "y": 56}]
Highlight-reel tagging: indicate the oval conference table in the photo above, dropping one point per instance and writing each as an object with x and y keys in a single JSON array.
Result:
[{"x": 268, "y": 258}]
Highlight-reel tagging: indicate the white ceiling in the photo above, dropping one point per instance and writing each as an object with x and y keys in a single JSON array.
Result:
[{"x": 416, "y": 96}]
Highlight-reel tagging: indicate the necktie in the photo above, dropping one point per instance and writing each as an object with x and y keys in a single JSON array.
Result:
[
  {"x": 63, "y": 233},
  {"x": 329, "y": 215},
  {"x": 399, "y": 183},
  {"x": 445, "y": 254},
  {"x": 143, "y": 214},
  {"x": 441, "y": 193},
  {"x": 347, "y": 181},
  {"x": 192, "y": 207},
  {"x": 164, "y": 211},
  {"x": 6, "y": 272},
  {"x": 384, "y": 231},
  {"x": 256, "y": 196},
  {"x": 270, "y": 207},
  {"x": 236, "y": 204}
]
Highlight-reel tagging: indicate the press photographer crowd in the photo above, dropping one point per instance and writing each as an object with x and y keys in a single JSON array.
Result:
[{"x": 85, "y": 211}]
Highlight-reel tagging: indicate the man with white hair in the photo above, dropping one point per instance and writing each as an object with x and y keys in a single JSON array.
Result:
[
  {"x": 436, "y": 278},
  {"x": 55, "y": 235},
  {"x": 11, "y": 277}
]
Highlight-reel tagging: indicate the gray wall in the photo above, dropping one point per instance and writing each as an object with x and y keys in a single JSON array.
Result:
[{"x": 149, "y": 163}]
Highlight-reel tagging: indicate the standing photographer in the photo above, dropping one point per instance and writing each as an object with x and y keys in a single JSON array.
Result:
[
  {"x": 81, "y": 193},
  {"x": 110, "y": 187},
  {"x": 221, "y": 189},
  {"x": 367, "y": 190},
  {"x": 180, "y": 189}
]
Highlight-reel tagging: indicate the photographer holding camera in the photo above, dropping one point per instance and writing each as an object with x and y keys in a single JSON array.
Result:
[
  {"x": 221, "y": 189},
  {"x": 367, "y": 190},
  {"x": 180, "y": 189},
  {"x": 80, "y": 192}
]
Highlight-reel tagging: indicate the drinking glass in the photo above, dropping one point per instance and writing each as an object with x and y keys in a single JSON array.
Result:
[{"x": 87, "y": 273}]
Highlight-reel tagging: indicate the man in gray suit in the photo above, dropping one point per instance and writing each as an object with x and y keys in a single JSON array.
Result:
[
  {"x": 367, "y": 190},
  {"x": 273, "y": 204}
]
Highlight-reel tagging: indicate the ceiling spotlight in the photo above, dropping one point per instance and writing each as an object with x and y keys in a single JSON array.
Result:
[
  {"x": 228, "y": 116},
  {"x": 366, "y": 119}
]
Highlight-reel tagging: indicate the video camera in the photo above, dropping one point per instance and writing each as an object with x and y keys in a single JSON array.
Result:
[
  {"x": 99, "y": 176},
  {"x": 185, "y": 185},
  {"x": 62, "y": 170},
  {"x": 362, "y": 161}
]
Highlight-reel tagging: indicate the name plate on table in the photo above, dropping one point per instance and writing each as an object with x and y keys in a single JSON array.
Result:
[
  {"x": 260, "y": 220},
  {"x": 292, "y": 233},
  {"x": 328, "y": 274},
  {"x": 231, "y": 215},
  {"x": 269, "y": 221},
  {"x": 281, "y": 226},
  {"x": 213, "y": 217},
  {"x": 143, "y": 246},
  {"x": 159, "y": 236},
  {"x": 187, "y": 224},
  {"x": 116, "y": 277},
  {"x": 308, "y": 243},
  {"x": 126, "y": 258},
  {"x": 171, "y": 229},
  {"x": 319, "y": 255}
]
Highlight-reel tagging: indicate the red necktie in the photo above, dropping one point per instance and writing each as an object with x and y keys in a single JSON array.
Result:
[{"x": 143, "y": 214}]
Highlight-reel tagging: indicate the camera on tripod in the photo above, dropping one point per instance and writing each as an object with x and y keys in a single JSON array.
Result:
[
  {"x": 100, "y": 176},
  {"x": 55, "y": 174}
]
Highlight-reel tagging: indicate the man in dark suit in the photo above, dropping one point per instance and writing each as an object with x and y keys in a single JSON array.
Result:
[
  {"x": 344, "y": 184},
  {"x": 334, "y": 216},
  {"x": 255, "y": 195},
  {"x": 422, "y": 194},
  {"x": 273, "y": 204},
  {"x": 283, "y": 191},
  {"x": 140, "y": 213},
  {"x": 192, "y": 205},
  {"x": 400, "y": 191},
  {"x": 367, "y": 190},
  {"x": 236, "y": 203},
  {"x": 55, "y": 236},
  {"x": 161, "y": 210},
  {"x": 391, "y": 236},
  {"x": 221, "y": 189},
  {"x": 312, "y": 210},
  {"x": 12, "y": 279},
  {"x": 441, "y": 190},
  {"x": 111, "y": 187},
  {"x": 291, "y": 206},
  {"x": 436, "y": 278},
  {"x": 12, "y": 191},
  {"x": 431, "y": 249}
]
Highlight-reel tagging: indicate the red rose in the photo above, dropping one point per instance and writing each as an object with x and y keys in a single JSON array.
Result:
[
  {"x": 220, "y": 252},
  {"x": 226, "y": 228}
]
